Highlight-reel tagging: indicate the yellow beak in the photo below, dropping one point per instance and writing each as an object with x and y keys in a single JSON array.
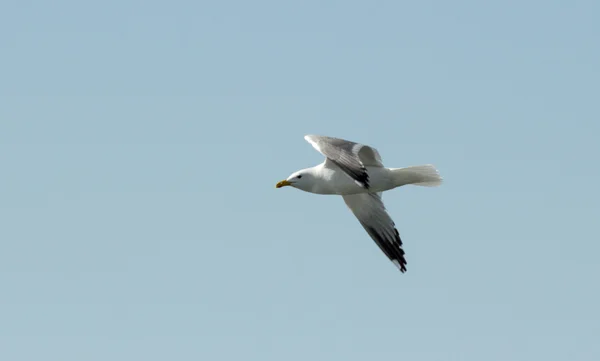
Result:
[{"x": 283, "y": 183}]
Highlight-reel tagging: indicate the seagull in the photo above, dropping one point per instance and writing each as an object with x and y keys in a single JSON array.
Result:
[{"x": 355, "y": 172}]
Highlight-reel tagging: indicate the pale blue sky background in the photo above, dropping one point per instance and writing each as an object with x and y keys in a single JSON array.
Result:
[{"x": 140, "y": 143}]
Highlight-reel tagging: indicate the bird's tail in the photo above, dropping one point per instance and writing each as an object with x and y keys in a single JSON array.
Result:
[{"x": 419, "y": 175}]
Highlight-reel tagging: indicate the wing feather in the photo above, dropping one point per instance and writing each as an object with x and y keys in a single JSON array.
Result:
[
  {"x": 370, "y": 211},
  {"x": 351, "y": 157}
]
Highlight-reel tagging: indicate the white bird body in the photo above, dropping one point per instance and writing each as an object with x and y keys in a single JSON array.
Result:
[
  {"x": 355, "y": 172},
  {"x": 329, "y": 179}
]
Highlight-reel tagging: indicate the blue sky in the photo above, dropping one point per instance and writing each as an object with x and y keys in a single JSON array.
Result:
[{"x": 140, "y": 145}]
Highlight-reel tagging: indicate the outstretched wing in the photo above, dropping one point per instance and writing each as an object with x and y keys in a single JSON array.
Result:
[
  {"x": 351, "y": 157},
  {"x": 372, "y": 215}
]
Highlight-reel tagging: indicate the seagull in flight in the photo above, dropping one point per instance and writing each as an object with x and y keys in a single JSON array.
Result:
[{"x": 355, "y": 172}]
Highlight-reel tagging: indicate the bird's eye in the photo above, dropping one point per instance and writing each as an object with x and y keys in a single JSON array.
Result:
[{"x": 300, "y": 176}]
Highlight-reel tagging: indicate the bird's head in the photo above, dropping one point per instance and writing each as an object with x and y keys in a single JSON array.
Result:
[{"x": 300, "y": 179}]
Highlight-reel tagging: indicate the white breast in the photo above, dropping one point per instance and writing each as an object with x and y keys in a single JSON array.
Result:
[{"x": 335, "y": 181}]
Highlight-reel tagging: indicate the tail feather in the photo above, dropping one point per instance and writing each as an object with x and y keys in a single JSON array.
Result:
[{"x": 419, "y": 175}]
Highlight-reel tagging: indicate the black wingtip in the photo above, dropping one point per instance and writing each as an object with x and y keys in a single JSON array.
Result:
[{"x": 400, "y": 263}]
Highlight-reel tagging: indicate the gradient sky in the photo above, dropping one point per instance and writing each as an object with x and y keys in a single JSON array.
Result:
[{"x": 140, "y": 144}]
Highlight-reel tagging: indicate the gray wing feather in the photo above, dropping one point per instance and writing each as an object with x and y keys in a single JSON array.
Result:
[
  {"x": 351, "y": 157},
  {"x": 370, "y": 156},
  {"x": 370, "y": 211}
]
